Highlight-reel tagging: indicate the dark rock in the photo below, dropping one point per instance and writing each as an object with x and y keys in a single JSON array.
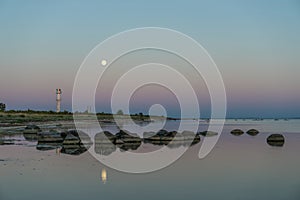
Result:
[
  {"x": 51, "y": 136},
  {"x": 130, "y": 146},
  {"x": 252, "y": 132},
  {"x": 208, "y": 133},
  {"x": 169, "y": 136},
  {"x": 164, "y": 137},
  {"x": 32, "y": 129},
  {"x": 196, "y": 140},
  {"x": 276, "y": 140},
  {"x": 237, "y": 132},
  {"x": 76, "y": 137},
  {"x": 70, "y": 132},
  {"x": 70, "y": 139},
  {"x": 161, "y": 135},
  {"x": 148, "y": 134},
  {"x": 162, "y": 132},
  {"x": 127, "y": 137}
]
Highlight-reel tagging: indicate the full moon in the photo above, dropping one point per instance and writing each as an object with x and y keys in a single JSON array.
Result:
[{"x": 103, "y": 62}]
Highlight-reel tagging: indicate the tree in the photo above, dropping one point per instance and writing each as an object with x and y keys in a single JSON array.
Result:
[
  {"x": 120, "y": 112},
  {"x": 2, "y": 107}
]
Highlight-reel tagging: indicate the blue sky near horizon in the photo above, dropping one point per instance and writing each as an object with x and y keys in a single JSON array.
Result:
[{"x": 255, "y": 44}]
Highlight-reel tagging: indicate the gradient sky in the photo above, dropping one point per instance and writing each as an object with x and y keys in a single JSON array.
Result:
[{"x": 255, "y": 44}]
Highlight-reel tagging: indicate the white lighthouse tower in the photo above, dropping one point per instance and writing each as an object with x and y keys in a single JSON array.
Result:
[{"x": 58, "y": 99}]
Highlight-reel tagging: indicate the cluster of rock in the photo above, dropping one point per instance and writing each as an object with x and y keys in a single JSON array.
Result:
[
  {"x": 69, "y": 142},
  {"x": 76, "y": 142},
  {"x": 276, "y": 140},
  {"x": 106, "y": 142},
  {"x": 165, "y": 137},
  {"x": 238, "y": 132}
]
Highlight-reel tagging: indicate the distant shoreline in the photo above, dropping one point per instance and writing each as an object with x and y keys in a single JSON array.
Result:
[{"x": 19, "y": 118}]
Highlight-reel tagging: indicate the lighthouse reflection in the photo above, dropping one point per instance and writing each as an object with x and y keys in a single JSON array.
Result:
[{"x": 103, "y": 175}]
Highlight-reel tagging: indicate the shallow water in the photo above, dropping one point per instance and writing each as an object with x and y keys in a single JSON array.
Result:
[{"x": 239, "y": 167}]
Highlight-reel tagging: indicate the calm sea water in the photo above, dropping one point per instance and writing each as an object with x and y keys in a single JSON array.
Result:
[{"x": 239, "y": 167}]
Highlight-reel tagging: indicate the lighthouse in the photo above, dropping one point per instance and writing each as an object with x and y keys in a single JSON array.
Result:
[{"x": 58, "y": 99}]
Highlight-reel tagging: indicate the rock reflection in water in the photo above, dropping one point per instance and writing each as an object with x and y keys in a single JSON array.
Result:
[
  {"x": 73, "y": 149},
  {"x": 75, "y": 142},
  {"x": 47, "y": 146},
  {"x": 30, "y": 137},
  {"x": 71, "y": 142},
  {"x": 104, "y": 143}
]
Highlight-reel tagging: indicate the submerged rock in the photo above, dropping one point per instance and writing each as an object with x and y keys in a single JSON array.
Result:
[
  {"x": 252, "y": 132},
  {"x": 276, "y": 140},
  {"x": 237, "y": 132}
]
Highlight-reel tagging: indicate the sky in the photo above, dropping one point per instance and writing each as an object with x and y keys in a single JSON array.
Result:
[{"x": 255, "y": 45}]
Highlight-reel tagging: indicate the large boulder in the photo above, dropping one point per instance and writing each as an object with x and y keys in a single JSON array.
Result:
[
  {"x": 237, "y": 132},
  {"x": 276, "y": 140},
  {"x": 252, "y": 132}
]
